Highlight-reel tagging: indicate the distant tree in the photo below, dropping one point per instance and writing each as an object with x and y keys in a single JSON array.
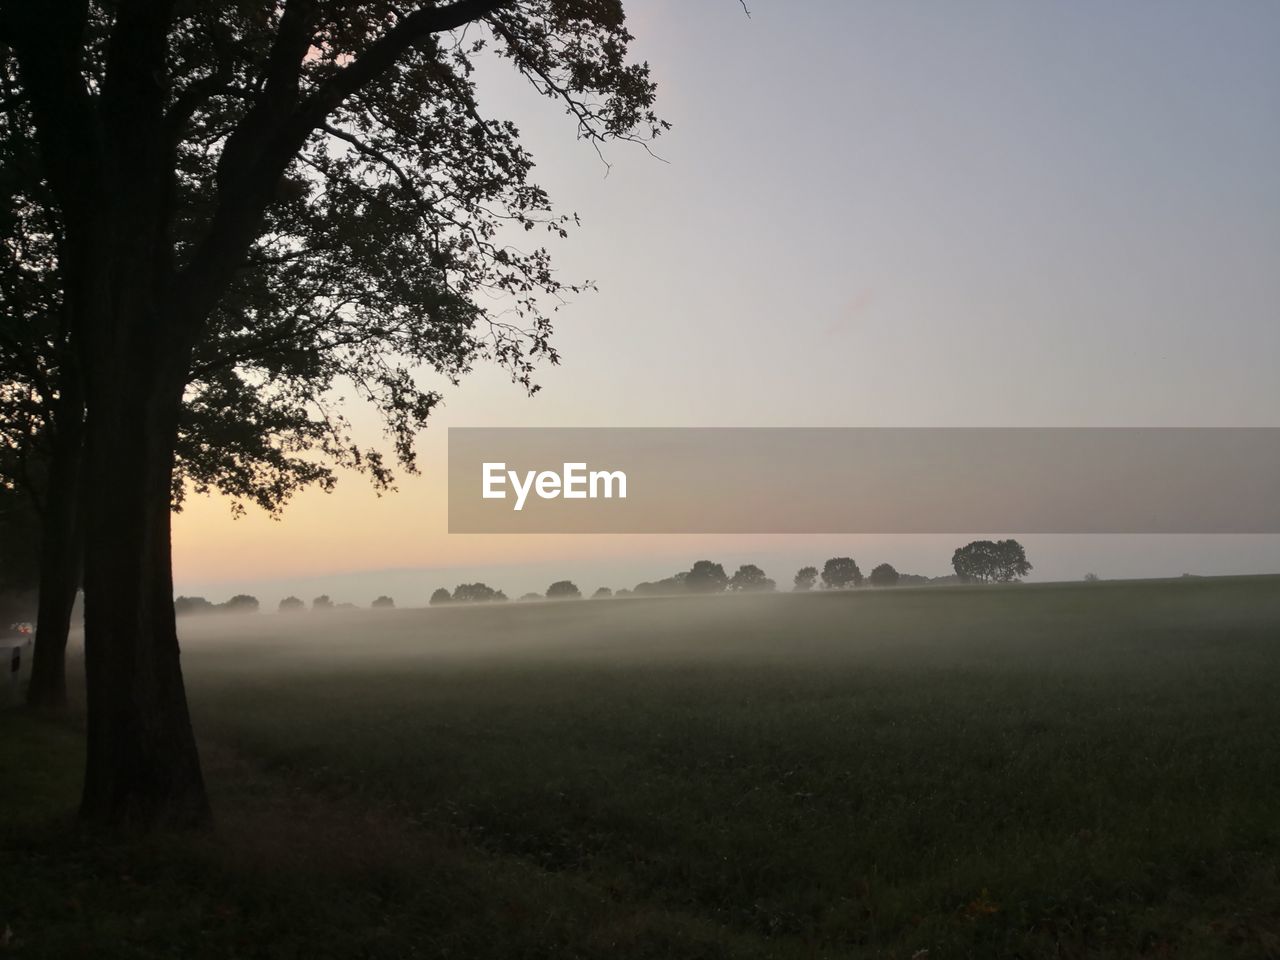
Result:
[
  {"x": 986, "y": 561},
  {"x": 911, "y": 580},
  {"x": 383, "y": 603},
  {"x": 476, "y": 593},
  {"x": 624, "y": 592},
  {"x": 750, "y": 578},
  {"x": 1091, "y": 578},
  {"x": 531, "y": 596},
  {"x": 241, "y": 603},
  {"x": 602, "y": 594},
  {"x": 841, "y": 572},
  {"x": 322, "y": 602},
  {"x": 291, "y": 605},
  {"x": 665, "y": 587},
  {"x": 706, "y": 577},
  {"x": 884, "y": 576},
  {"x": 805, "y": 578},
  {"x": 498, "y": 597},
  {"x": 441, "y": 595},
  {"x": 563, "y": 590},
  {"x": 186, "y": 606}
]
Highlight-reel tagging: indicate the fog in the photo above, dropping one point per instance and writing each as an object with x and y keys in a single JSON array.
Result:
[{"x": 916, "y": 627}]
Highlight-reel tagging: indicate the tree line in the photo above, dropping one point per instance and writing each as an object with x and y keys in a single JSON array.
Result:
[
  {"x": 981, "y": 561},
  {"x": 245, "y": 603}
]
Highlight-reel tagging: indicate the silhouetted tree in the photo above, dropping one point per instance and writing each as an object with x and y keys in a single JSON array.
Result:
[
  {"x": 841, "y": 572},
  {"x": 602, "y": 594},
  {"x": 531, "y": 596},
  {"x": 186, "y": 606},
  {"x": 624, "y": 592},
  {"x": 476, "y": 593},
  {"x": 884, "y": 576},
  {"x": 986, "y": 561},
  {"x": 805, "y": 578},
  {"x": 383, "y": 603},
  {"x": 241, "y": 603},
  {"x": 291, "y": 605},
  {"x": 563, "y": 590},
  {"x": 750, "y": 578},
  {"x": 706, "y": 577},
  {"x": 1091, "y": 578},
  {"x": 439, "y": 596},
  {"x": 322, "y": 603},
  {"x": 179, "y": 142}
]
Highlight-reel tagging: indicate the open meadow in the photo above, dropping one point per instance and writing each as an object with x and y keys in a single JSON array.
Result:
[{"x": 1076, "y": 770}]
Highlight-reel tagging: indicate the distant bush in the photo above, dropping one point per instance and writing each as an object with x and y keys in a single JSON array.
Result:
[
  {"x": 841, "y": 572},
  {"x": 603, "y": 593},
  {"x": 884, "y": 576},
  {"x": 1091, "y": 578},
  {"x": 440, "y": 596},
  {"x": 186, "y": 606},
  {"x": 706, "y": 577},
  {"x": 241, "y": 603},
  {"x": 531, "y": 596},
  {"x": 476, "y": 593},
  {"x": 291, "y": 605},
  {"x": 383, "y": 603},
  {"x": 805, "y": 578},
  {"x": 751, "y": 579},
  {"x": 563, "y": 590},
  {"x": 322, "y": 602},
  {"x": 624, "y": 592}
]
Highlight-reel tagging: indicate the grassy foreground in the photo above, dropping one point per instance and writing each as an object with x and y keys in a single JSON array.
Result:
[{"x": 1033, "y": 771}]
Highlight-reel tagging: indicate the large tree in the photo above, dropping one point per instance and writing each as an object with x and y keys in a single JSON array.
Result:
[
  {"x": 181, "y": 142},
  {"x": 991, "y": 561}
]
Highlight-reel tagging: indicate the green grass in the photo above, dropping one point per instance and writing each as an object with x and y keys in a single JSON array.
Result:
[{"x": 1034, "y": 771}]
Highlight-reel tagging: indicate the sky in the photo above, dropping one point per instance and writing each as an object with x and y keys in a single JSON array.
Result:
[{"x": 889, "y": 213}]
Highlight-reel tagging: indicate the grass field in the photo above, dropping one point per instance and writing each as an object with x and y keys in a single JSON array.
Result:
[{"x": 1031, "y": 771}]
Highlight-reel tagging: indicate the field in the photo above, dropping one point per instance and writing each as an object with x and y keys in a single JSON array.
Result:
[{"x": 1088, "y": 770}]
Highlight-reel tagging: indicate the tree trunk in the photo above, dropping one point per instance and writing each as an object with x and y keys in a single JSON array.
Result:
[
  {"x": 142, "y": 769},
  {"x": 61, "y": 546}
]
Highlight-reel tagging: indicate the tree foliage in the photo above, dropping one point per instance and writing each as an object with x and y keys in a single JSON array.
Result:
[
  {"x": 884, "y": 575},
  {"x": 476, "y": 593},
  {"x": 841, "y": 572},
  {"x": 563, "y": 590},
  {"x": 805, "y": 578},
  {"x": 706, "y": 577},
  {"x": 988, "y": 561},
  {"x": 749, "y": 578}
]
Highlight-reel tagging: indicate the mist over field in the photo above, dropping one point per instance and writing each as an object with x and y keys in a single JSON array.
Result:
[{"x": 1077, "y": 769}]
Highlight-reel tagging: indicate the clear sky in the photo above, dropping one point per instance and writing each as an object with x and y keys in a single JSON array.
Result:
[{"x": 889, "y": 213}]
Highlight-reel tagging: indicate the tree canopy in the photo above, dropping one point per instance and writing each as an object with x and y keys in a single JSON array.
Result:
[
  {"x": 563, "y": 590},
  {"x": 749, "y": 578},
  {"x": 988, "y": 561},
  {"x": 805, "y": 578},
  {"x": 841, "y": 572},
  {"x": 884, "y": 575}
]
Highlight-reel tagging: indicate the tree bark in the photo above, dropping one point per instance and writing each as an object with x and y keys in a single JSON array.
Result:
[
  {"x": 142, "y": 767},
  {"x": 61, "y": 552}
]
